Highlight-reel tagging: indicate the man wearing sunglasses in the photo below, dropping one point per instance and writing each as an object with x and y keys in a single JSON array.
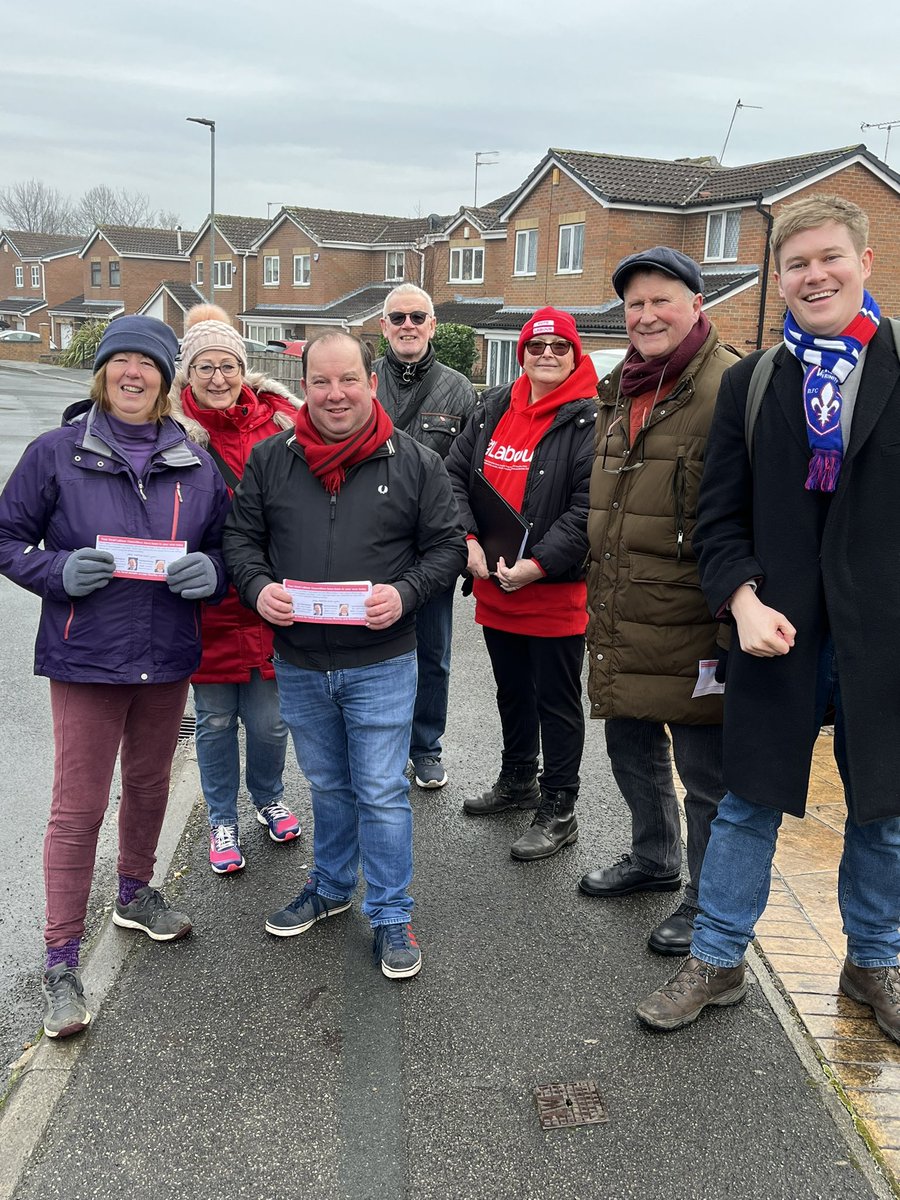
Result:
[
  {"x": 432, "y": 403},
  {"x": 652, "y": 643}
]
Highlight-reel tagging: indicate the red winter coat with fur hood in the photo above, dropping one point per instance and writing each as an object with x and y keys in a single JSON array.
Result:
[{"x": 235, "y": 640}]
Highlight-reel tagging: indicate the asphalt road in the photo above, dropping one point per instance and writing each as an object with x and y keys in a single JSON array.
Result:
[
  {"x": 32, "y": 399},
  {"x": 239, "y": 1065}
]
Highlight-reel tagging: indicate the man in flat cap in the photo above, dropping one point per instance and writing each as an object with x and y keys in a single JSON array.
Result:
[{"x": 652, "y": 643}]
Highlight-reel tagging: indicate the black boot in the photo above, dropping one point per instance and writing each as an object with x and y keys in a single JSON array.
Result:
[
  {"x": 553, "y": 827},
  {"x": 516, "y": 787}
]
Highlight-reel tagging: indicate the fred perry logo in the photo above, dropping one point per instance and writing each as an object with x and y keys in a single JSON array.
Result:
[{"x": 382, "y": 489}]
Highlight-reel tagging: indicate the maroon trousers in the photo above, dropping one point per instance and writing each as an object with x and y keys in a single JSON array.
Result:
[{"x": 91, "y": 722}]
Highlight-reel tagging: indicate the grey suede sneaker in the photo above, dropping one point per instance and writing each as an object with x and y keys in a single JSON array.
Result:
[
  {"x": 695, "y": 985},
  {"x": 65, "y": 1011},
  {"x": 150, "y": 913}
]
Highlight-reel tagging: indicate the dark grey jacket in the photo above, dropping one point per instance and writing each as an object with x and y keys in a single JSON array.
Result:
[{"x": 427, "y": 400}]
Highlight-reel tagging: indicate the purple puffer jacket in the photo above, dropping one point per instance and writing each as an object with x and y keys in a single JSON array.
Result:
[{"x": 71, "y": 485}]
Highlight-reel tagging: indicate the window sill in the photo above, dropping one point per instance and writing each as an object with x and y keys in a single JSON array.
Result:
[
  {"x": 710, "y": 259},
  {"x": 524, "y": 274},
  {"x": 577, "y": 271},
  {"x": 467, "y": 282},
  {"x": 296, "y": 284}
]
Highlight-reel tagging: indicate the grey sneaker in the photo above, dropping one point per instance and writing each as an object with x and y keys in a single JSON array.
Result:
[
  {"x": 303, "y": 912},
  {"x": 689, "y": 991},
  {"x": 150, "y": 913},
  {"x": 398, "y": 951},
  {"x": 65, "y": 1011},
  {"x": 429, "y": 773}
]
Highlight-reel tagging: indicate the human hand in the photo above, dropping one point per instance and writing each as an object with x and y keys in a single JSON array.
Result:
[
  {"x": 193, "y": 576},
  {"x": 86, "y": 570},
  {"x": 763, "y": 632},
  {"x": 519, "y": 575},
  {"x": 383, "y": 607},
  {"x": 477, "y": 564},
  {"x": 274, "y": 605}
]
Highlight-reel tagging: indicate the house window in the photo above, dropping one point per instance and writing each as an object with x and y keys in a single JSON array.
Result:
[
  {"x": 271, "y": 269},
  {"x": 264, "y": 333},
  {"x": 223, "y": 271},
  {"x": 394, "y": 265},
  {"x": 301, "y": 269},
  {"x": 526, "y": 252},
  {"x": 199, "y": 272},
  {"x": 115, "y": 275},
  {"x": 96, "y": 275},
  {"x": 467, "y": 265},
  {"x": 36, "y": 277},
  {"x": 20, "y": 276},
  {"x": 571, "y": 249},
  {"x": 502, "y": 366},
  {"x": 722, "y": 232}
]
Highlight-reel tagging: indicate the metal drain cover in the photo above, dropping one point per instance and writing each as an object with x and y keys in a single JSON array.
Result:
[{"x": 561, "y": 1105}]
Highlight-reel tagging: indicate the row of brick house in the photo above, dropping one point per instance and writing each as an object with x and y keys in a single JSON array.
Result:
[{"x": 555, "y": 240}]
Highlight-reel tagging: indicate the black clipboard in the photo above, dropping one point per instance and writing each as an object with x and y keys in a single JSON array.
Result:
[{"x": 502, "y": 531}]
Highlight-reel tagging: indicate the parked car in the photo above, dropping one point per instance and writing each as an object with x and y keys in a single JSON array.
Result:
[
  {"x": 605, "y": 360},
  {"x": 21, "y": 335},
  {"x": 256, "y": 347},
  {"x": 281, "y": 347}
]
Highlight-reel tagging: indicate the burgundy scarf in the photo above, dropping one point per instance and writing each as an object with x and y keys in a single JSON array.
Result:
[
  {"x": 329, "y": 461},
  {"x": 640, "y": 375}
]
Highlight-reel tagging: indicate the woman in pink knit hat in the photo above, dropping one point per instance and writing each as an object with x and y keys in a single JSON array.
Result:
[{"x": 228, "y": 411}]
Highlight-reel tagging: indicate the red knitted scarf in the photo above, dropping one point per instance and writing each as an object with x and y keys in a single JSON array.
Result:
[{"x": 329, "y": 461}]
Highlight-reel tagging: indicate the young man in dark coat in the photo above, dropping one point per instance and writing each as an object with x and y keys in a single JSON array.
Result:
[
  {"x": 797, "y": 540},
  {"x": 431, "y": 402}
]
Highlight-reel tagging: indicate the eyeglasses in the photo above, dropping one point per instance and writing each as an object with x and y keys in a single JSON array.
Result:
[
  {"x": 537, "y": 348},
  {"x": 207, "y": 370},
  {"x": 417, "y": 318}
]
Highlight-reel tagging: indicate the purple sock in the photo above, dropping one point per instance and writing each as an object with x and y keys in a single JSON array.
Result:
[
  {"x": 129, "y": 887},
  {"x": 67, "y": 953}
]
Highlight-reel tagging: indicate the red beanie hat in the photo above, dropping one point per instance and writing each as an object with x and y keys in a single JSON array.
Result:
[{"x": 550, "y": 320}]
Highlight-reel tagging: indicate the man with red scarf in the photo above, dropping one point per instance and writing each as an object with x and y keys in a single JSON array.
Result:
[
  {"x": 797, "y": 541},
  {"x": 650, "y": 632},
  {"x": 345, "y": 497}
]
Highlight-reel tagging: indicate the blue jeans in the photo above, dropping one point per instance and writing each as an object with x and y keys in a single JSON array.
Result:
[
  {"x": 737, "y": 873},
  {"x": 351, "y": 733},
  {"x": 219, "y": 706},
  {"x": 434, "y": 633},
  {"x": 642, "y": 767}
]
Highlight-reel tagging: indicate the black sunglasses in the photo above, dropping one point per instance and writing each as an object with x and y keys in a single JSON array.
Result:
[{"x": 417, "y": 318}]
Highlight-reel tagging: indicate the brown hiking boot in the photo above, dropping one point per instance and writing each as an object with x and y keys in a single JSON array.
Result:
[
  {"x": 879, "y": 987},
  {"x": 684, "y": 997}
]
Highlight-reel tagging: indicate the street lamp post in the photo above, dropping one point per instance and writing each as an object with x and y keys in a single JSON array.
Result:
[{"x": 211, "y": 125}]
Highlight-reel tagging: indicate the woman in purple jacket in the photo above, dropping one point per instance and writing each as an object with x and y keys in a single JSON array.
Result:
[{"x": 119, "y": 481}]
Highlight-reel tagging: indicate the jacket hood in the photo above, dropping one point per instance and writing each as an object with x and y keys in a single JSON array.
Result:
[{"x": 257, "y": 381}]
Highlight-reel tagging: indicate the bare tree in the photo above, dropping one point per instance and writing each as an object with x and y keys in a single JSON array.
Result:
[
  {"x": 167, "y": 219},
  {"x": 32, "y": 205},
  {"x": 103, "y": 205}
]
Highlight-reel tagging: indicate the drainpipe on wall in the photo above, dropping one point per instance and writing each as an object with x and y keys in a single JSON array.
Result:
[{"x": 764, "y": 282}]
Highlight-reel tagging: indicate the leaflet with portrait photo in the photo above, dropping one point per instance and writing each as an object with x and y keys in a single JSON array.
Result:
[
  {"x": 141, "y": 558},
  {"x": 329, "y": 603}
]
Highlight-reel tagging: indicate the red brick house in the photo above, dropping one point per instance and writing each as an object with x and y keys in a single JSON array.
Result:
[
  {"x": 579, "y": 213},
  {"x": 36, "y": 271},
  {"x": 236, "y": 275}
]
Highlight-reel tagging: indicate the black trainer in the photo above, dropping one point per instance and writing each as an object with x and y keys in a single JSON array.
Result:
[{"x": 65, "y": 1011}]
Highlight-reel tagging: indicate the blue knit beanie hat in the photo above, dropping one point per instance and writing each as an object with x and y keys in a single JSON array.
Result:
[{"x": 140, "y": 335}]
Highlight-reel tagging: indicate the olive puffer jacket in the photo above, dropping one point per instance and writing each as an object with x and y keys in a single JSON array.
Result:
[{"x": 649, "y": 625}]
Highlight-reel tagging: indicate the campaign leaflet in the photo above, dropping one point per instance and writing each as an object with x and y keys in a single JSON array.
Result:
[
  {"x": 329, "y": 603},
  {"x": 141, "y": 558}
]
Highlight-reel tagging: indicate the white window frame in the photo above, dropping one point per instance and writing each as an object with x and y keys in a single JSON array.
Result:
[
  {"x": 198, "y": 272},
  {"x": 502, "y": 365},
  {"x": 718, "y": 224},
  {"x": 302, "y": 270},
  {"x": 36, "y": 277},
  {"x": 20, "y": 276},
  {"x": 571, "y": 240},
  {"x": 264, "y": 333},
  {"x": 271, "y": 270},
  {"x": 223, "y": 273},
  {"x": 526, "y": 252},
  {"x": 458, "y": 264},
  {"x": 397, "y": 260}
]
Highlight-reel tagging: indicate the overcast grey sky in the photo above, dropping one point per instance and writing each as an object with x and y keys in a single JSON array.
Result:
[{"x": 380, "y": 105}]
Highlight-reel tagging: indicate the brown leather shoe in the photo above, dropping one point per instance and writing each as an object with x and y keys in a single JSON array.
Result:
[
  {"x": 879, "y": 988},
  {"x": 684, "y": 997}
]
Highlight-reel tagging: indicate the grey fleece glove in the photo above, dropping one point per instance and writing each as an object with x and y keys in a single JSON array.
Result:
[
  {"x": 193, "y": 577},
  {"x": 86, "y": 570}
]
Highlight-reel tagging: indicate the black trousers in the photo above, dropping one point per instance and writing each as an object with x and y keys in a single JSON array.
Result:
[{"x": 539, "y": 701}]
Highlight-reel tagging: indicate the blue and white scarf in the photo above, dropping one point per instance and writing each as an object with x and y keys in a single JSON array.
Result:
[{"x": 828, "y": 363}]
